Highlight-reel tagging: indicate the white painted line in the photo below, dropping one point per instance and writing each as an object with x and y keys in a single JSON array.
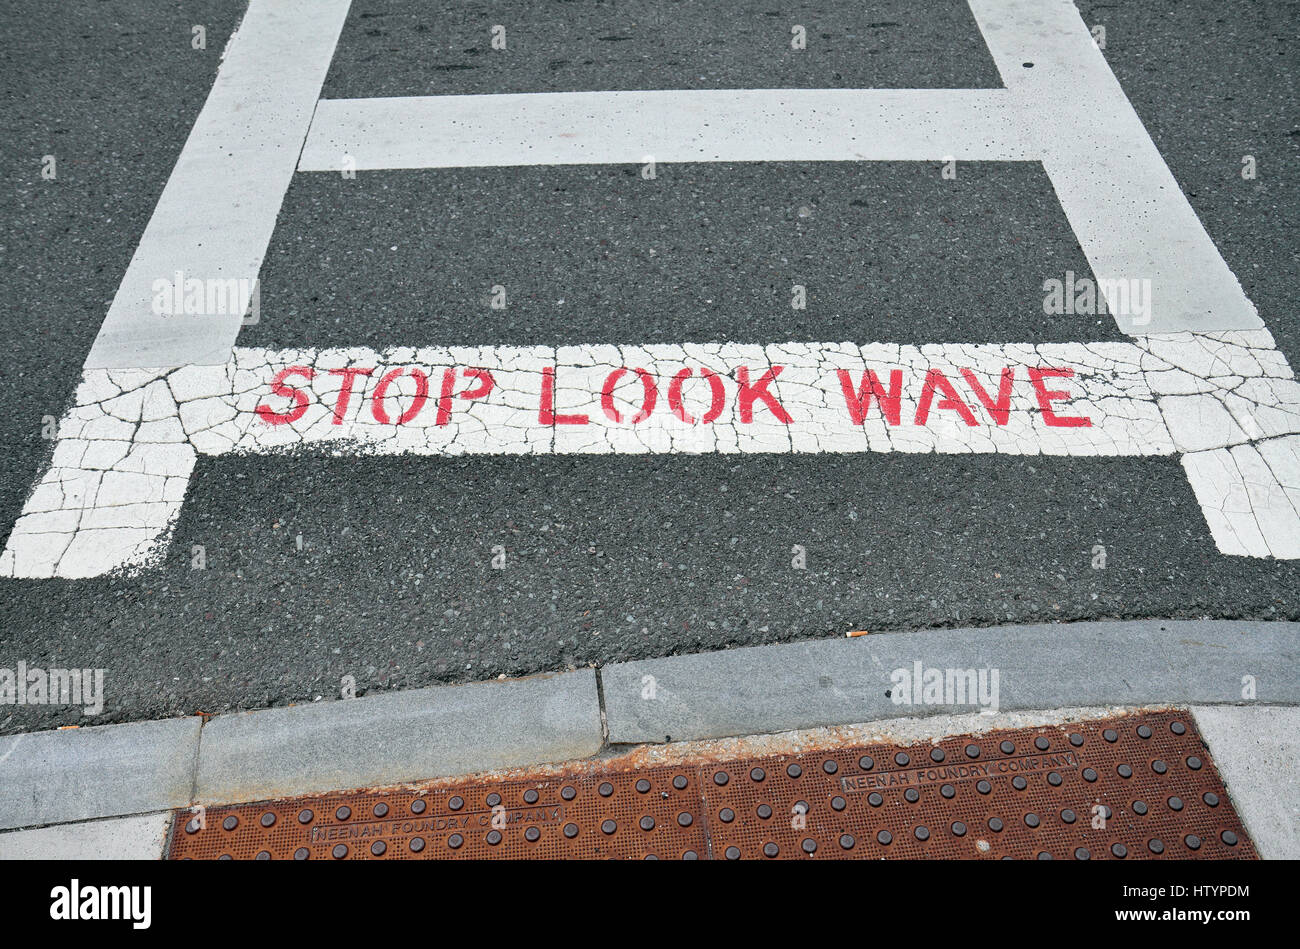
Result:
[
  {"x": 1126, "y": 208},
  {"x": 1065, "y": 109},
  {"x": 742, "y": 125},
  {"x": 215, "y": 217},
  {"x": 126, "y": 449}
]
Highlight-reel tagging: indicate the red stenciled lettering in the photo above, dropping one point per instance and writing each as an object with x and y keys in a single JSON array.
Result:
[
  {"x": 284, "y": 391},
  {"x": 860, "y": 400},
  {"x": 1047, "y": 396},
  {"x": 345, "y": 390},
  {"x": 485, "y": 380},
  {"x": 1001, "y": 409},
  {"x": 717, "y": 401},
  {"x": 758, "y": 390},
  {"x": 546, "y": 412},
  {"x": 421, "y": 396},
  {"x": 444, "y": 397},
  {"x": 935, "y": 379},
  {"x": 647, "y": 385},
  {"x": 485, "y": 385}
]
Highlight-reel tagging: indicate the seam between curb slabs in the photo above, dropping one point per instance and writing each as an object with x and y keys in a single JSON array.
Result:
[
  {"x": 600, "y": 707},
  {"x": 198, "y": 750}
]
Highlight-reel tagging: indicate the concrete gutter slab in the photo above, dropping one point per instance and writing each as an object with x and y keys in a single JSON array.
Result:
[
  {"x": 1256, "y": 749},
  {"x": 117, "y": 838},
  {"x": 1213, "y": 659},
  {"x": 103, "y": 771},
  {"x": 767, "y": 689}
]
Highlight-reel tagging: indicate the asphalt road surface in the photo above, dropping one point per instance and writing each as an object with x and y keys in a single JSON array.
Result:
[{"x": 319, "y": 564}]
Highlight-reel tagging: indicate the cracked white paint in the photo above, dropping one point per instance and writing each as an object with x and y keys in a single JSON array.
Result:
[{"x": 1228, "y": 402}]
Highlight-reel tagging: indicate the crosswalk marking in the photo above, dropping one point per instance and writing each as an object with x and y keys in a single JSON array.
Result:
[
  {"x": 1062, "y": 106},
  {"x": 1121, "y": 199},
  {"x": 707, "y": 125},
  {"x": 127, "y": 448},
  {"x": 214, "y": 219},
  {"x": 1200, "y": 378}
]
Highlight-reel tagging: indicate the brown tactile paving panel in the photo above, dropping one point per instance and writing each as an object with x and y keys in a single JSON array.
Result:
[
  {"x": 589, "y": 816},
  {"x": 1025, "y": 793}
]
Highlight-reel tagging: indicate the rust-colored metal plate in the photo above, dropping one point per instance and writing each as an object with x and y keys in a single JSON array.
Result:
[
  {"x": 1136, "y": 787},
  {"x": 651, "y": 813}
]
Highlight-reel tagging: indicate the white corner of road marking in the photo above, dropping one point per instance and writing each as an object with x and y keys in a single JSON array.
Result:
[
  {"x": 1250, "y": 495},
  {"x": 116, "y": 485}
]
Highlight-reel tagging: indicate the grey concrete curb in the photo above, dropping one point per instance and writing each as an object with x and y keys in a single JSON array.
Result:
[
  {"x": 114, "y": 770},
  {"x": 399, "y": 736},
  {"x": 764, "y": 689},
  {"x": 106, "y": 771},
  {"x": 117, "y": 770}
]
